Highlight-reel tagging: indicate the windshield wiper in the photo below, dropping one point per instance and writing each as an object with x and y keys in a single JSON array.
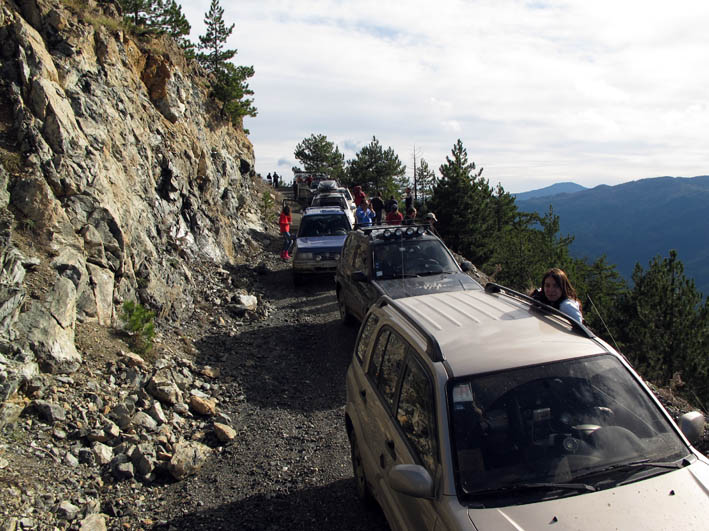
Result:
[
  {"x": 641, "y": 463},
  {"x": 518, "y": 487}
]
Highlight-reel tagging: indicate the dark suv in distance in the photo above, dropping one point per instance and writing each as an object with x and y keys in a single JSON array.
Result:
[{"x": 400, "y": 261}]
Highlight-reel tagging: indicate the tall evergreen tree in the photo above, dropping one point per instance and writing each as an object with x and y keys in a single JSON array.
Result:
[
  {"x": 231, "y": 87},
  {"x": 667, "y": 322},
  {"x": 376, "y": 169},
  {"x": 318, "y": 155},
  {"x": 169, "y": 18},
  {"x": 213, "y": 42},
  {"x": 453, "y": 201},
  {"x": 425, "y": 180}
]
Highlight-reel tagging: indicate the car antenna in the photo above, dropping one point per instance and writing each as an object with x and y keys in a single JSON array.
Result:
[{"x": 603, "y": 322}]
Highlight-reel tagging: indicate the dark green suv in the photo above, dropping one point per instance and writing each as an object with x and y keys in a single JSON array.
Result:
[{"x": 400, "y": 261}]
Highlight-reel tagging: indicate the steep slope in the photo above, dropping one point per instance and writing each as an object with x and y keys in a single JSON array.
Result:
[
  {"x": 118, "y": 174},
  {"x": 635, "y": 221}
]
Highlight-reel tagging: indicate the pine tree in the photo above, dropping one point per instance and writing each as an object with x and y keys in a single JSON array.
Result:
[
  {"x": 230, "y": 85},
  {"x": 376, "y": 169},
  {"x": 425, "y": 180},
  {"x": 667, "y": 323},
  {"x": 137, "y": 12},
  {"x": 214, "y": 41},
  {"x": 168, "y": 18},
  {"x": 453, "y": 201},
  {"x": 318, "y": 155}
]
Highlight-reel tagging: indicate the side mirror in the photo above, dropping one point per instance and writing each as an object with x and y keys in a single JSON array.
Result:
[
  {"x": 412, "y": 480},
  {"x": 466, "y": 266},
  {"x": 692, "y": 425},
  {"x": 359, "y": 276}
]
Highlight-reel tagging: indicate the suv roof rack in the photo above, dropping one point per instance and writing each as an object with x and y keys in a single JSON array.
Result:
[
  {"x": 433, "y": 349},
  {"x": 491, "y": 288}
]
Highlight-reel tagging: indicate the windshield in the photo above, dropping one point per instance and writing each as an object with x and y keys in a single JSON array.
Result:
[
  {"x": 323, "y": 225},
  {"x": 411, "y": 257},
  {"x": 571, "y": 422},
  {"x": 330, "y": 201}
]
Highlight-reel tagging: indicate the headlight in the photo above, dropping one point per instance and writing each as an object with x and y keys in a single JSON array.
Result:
[{"x": 304, "y": 256}]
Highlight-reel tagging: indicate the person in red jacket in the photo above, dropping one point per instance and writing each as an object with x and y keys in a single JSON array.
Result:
[
  {"x": 284, "y": 222},
  {"x": 358, "y": 194},
  {"x": 394, "y": 217}
]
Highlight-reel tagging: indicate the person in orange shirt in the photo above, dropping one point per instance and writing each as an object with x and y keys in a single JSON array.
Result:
[{"x": 284, "y": 222}]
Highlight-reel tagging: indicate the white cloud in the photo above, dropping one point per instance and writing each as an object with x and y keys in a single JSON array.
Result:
[{"x": 594, "y": 92}]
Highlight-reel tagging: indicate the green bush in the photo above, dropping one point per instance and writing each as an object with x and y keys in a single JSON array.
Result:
[{"x": 139, "y": 324}]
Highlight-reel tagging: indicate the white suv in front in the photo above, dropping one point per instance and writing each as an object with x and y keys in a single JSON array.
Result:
[{"x": 487, "y": 410}]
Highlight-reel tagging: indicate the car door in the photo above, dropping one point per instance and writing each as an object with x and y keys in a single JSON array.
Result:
[
  {"x": 402, "y": 428},
  {"x": 362, "y": 292},
  {"x": 414, "y": 426}
]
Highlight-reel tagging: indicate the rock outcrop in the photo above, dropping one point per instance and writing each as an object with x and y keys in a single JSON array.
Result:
[{"x": 118, "y": 169}]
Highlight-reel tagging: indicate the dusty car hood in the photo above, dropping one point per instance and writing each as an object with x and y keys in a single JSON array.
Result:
[
  {"x": 676, "y": 500},
  {"x": 320, "y": 243},
  {"x": 409, "y": 287}
]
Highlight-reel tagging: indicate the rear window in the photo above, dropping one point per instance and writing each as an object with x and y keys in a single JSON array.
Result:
[{"x": 323, "y": 225}]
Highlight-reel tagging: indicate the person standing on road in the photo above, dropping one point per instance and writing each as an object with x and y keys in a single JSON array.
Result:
[
  {"x": 408, "y": 200},
  {"x": 358, "y": 194},
  {"x": 430, "y": 220},
  {"x": 390, "y": 204},
  {"x": 284, "y": 222},
  {"x": 394, "y": 217},
  {"x": 377, "y": 205},
  {"x": 364, "y": 215}
]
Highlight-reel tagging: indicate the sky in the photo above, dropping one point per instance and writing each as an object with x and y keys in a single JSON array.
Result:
[{"x": 540, "y": 92}]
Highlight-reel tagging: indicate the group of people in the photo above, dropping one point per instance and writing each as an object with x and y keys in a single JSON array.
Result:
[
  {"x": 274, "y": 179},
  {"x": 378, "y": 211}
]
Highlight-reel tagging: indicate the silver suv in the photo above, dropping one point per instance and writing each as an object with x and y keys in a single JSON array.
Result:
[{"x": 487, "y": 410}]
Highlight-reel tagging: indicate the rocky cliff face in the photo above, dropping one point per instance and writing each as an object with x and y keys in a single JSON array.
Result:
[{"x": 117, "y": 171}]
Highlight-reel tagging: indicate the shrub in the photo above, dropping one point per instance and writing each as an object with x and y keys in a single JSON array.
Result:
[{"x": 139, "y": 325}]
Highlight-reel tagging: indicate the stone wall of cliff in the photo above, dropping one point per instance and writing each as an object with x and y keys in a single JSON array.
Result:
[{"x": 118, "y": 170}]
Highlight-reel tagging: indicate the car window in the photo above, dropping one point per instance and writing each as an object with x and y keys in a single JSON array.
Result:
[
  {"x": 360, "y": 257},
  {"x": 411, "y": 257},
  {"x": 375, "y": 359},
  {"x": 390, "y": 368},
  {"x": 365, "y": 335},
  {"x": 348, "y": 249},
  {"x": 415, "y": 413},
  {"x": 324, "y": 225}
]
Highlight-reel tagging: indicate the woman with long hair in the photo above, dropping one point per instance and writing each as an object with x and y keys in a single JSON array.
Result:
[{"x": 557, "y": 291}]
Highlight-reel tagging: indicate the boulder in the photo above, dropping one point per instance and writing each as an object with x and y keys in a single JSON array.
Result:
[{"x": 187, "y": 459}]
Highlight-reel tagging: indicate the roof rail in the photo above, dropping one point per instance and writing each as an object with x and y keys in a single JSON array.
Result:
[
  {"x": 433, "y": 349},
  {"x": 491, "y": 288}
]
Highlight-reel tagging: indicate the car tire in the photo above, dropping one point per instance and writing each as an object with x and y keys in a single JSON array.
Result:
[
  {"x": 345, "y": 315},
  {"x": 361, "y": 485}
]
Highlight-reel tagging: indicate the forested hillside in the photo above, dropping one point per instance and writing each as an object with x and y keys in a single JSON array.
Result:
[{"x": 636, "y": 221}]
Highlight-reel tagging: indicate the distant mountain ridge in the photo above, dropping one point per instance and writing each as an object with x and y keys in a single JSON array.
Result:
[
  {"x": 636, "y": 221},
  {"x": 554, "y": 189}
]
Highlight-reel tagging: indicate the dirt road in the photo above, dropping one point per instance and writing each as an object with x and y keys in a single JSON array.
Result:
[{"x": 284, "y": 389}]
